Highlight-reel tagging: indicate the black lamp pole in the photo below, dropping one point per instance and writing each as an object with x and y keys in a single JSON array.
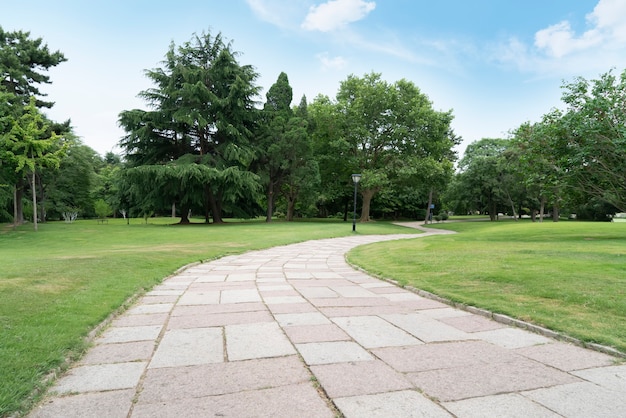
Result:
[{"x": 355, "y": 179}]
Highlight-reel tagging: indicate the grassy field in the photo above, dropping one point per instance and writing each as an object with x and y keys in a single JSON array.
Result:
[
  {"x": 59, "y": 283},
  {"x": 567, "y": 276}
]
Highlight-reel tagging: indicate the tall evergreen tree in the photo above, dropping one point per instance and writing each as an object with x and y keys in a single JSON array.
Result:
[{"x": 202, "y": 107}]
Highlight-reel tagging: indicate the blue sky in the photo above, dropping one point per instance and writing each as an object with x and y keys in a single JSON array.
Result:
[{"x": 495, "y": 63}]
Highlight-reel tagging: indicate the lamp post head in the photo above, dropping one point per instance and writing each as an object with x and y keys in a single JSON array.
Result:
[{"x": 356, "y": 178}]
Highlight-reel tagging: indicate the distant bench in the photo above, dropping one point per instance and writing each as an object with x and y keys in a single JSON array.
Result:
[{"x": 619, "y": 217}]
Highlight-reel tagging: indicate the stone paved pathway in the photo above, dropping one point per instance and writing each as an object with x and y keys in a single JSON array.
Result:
[{"x": 294, "y": 331}]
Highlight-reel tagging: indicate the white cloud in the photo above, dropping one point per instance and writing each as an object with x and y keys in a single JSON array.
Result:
[
  {"x": 280, "y": 13},
  {"x": 560, "y": 40},
  {"x": 335, "y": 14},
  {"x": 334, "y": 63},
  {"x": 607, "y": 28}
]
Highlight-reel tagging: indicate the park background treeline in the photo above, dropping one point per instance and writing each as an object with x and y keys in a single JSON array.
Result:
[{"x": 209, "y": 146}]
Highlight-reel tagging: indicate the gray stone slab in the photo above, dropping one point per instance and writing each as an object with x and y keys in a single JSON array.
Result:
[
  {"x": 211, "y": 278},
  {"x": 150, "y": 308},
  {"x": 317, "y": 292},
  {"x": 445, "y": 312},
  {"x": 139, "y": 320},
  {"x": 100, "y": 377},
  {"x": 458, "y": 383},
  {"x": 473, "y": 323},
  {"x": 405, "y": 404},
  {"x": 276, "y": 300},
  {"x": 402, "y": 296},
  {"x": 425, "y": 328},
  {"x": 581, "y": 400},
  {"x": 167, "y": 384},
  {"x": 372, "y": 332},
  {"x": 203, "y": 310},
  {"x": 240, "y": 296},
  {"x": 200, "y": 298},
  {"x": 112, "y": 404},
  {"x": 274, "y": 287},
  {"x": 565, "y": 356},
  {"x": 259, "y": 340},
  {"x": 315, "y": 333},
  {"x": 158, "y": 299},
  {"x": 241, "y": 277},
  {"x": 119, "y": 353},
  {"x": 359, "y": 378},
  {"x": 364, "y": 310},
  {"x": 613, "y": 377},
  {"x": 444, "y": 356},
  {"x": 187, "y": 347},
  {"x": 128, "y": 334},
  {"x": 512, "y": 337},
  {"x": 306, "y": 318},
  {"x": 354, "y": 291},
  {"x": 348, "y": 302},
  {"x": 281, "y": 308},
  {"x": 301, "y": 400},
  {"x": 332, "y": 352},
  {"x": 218, "y": 319},
  {"x": 172, "y": 292},
  {"x": 510, "y": 405}
]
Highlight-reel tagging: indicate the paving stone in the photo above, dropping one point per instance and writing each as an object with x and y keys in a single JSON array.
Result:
[
  {"x": 315, "y": 333},
  {"x": 581, "y": 400},
  {"x": 218, "y": 319},
  {"x": 348, "y": 302},
  {"x": 354, "y": 291},
  {"x": 301, "y": 401},
  {"x": 274, "y": 300},
  {"x": 307, "y": 318},
  {"x": 380, "y": 284},
  {"x": 100, "y": 377},
  {"x": 565, "y": 356},
  {"x": 425, "y": 328},
  {"x": 372, "y": 331},
  {"x": 613, "y": 377},
  {"x": 291, "y": 308},
  {"x": 512, "y": 337},
  {"x": 166, "y": 384},
  {"x": 473, "y": 323},
  {"x": 187, "y": 347},
  {"x": 332, "y": 352},
  {"x": 200, "y": 298},
  {"x": 119, "y": 353},
  {"x": 150, "y": 308},
  {"x": 203, "y": 310},
  {"x": 176, "y": 292},
  {"x": 274, "y": 287},
  {"x": 405, "y": 404},
  {"x": 211, "y": 278},
  {"x": 501, "y": 406},
  {"x": 445, "y": 312},
  {"x": 364, "y": 310},
  {"x": 147, "y": 300},
  {"x": 240, "y": 296},
  {"x": 317, "y": 292},
  {"x": 359, "y": 378},
  {"x": 444, "y": 356},
  {"x": 261, "y": 340},
  {"x": 139, "y": 320},
  {"x": 128, "y": 334},
  {"x": 112, "y": 404},
  {"x": 240, "y": 277},
  {"x": 487, "y": 379}
]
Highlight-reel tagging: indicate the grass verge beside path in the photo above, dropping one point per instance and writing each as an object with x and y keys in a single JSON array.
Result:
[
  {"x": 567, "y": 276},
  {"x": 59, "y": 283}
]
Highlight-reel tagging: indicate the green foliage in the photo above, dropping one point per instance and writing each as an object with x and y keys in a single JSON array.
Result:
[
  {"x": 203, "y": 113},
  {"x": 102, "y": 208}
]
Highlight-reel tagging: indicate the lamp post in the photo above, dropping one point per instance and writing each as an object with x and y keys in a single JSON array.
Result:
[{"x": 355, "y": 179}]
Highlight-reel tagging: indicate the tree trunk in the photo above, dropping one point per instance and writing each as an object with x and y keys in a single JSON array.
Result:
[
  {"x": 367, "y": 195},
  {"x": 18, "y": 203},
  {"x": 555, "y": 213},
  {"x": 173, "y": 209},
  {"x": 270, "y": 202},
  {"x": 216, "y": 210},
  {"x": 34, "y": 189},
  {"x": 184, "y": 215},
  {"x": 542, "y": 208},
  {"x": 493, "y": 210}
]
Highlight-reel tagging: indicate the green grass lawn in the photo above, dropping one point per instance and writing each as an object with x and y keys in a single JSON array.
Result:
[
  {"x": 59, "y": 283},
  {"x": 566, "y": 276}
]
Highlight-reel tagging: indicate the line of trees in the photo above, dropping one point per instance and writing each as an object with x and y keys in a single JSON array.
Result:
[
  {"x": 207, "y": 146},
  {"x": 573, "y": 161}
]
